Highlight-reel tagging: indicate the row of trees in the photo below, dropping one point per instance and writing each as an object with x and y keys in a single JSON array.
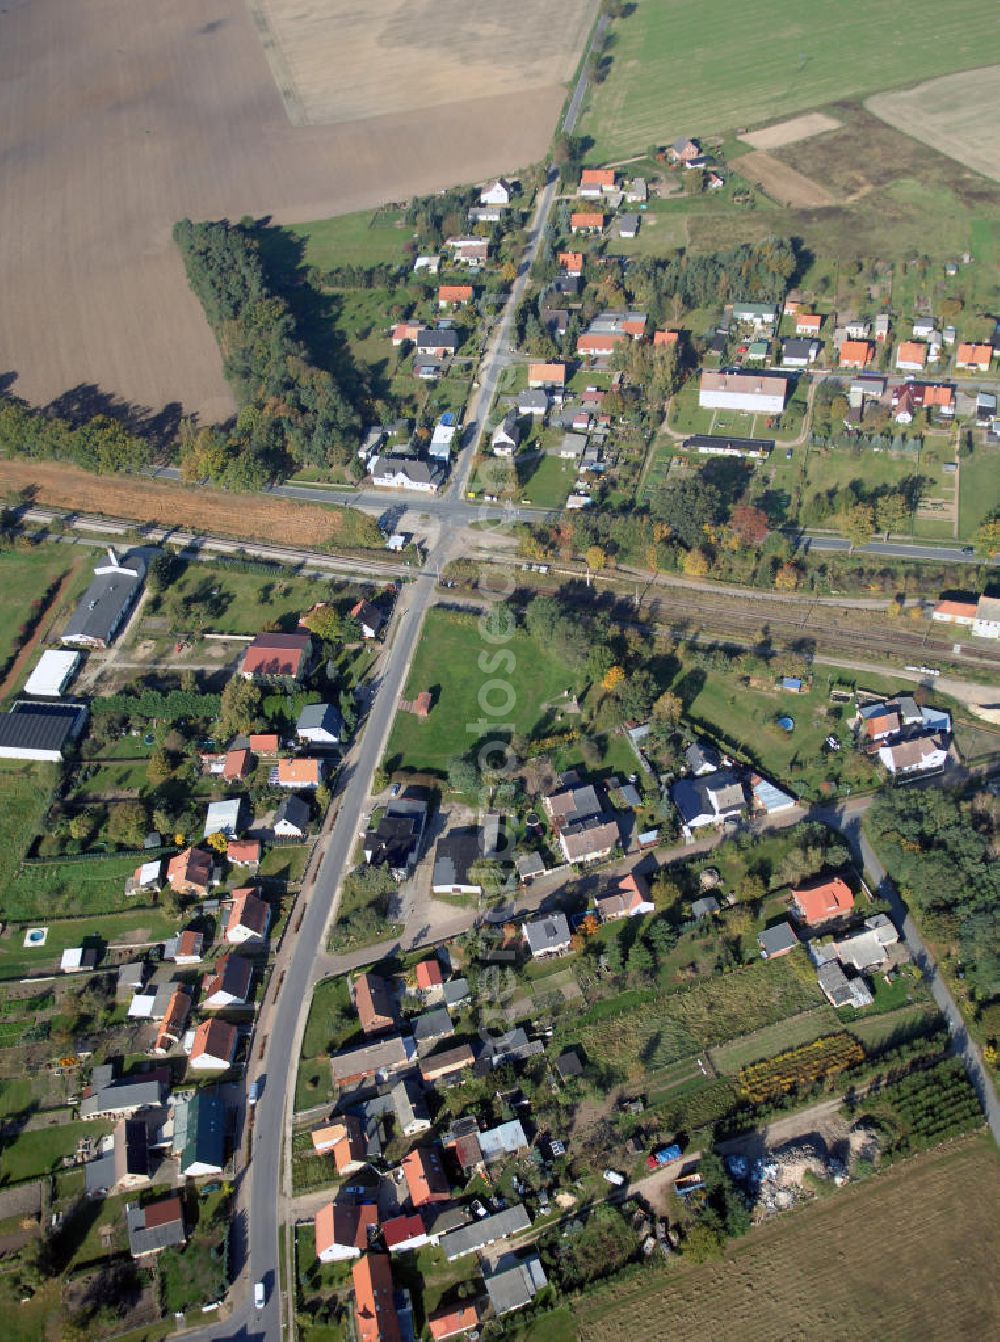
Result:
[
  {"x": 291, "y": 412},
  {"x": 101, "y": 444}
]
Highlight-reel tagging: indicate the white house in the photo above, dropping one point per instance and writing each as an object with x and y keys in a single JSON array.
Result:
[
  {"x": 388, "y": 472},
  {"x": 756, "y": 393},
  {"x": 757, "y": 315},
  {"x": 441, "y": 440},
  {"x": 915, "y": 757},
  {"x": 506, "y": 436},
  {"x": 320, "y": 725},
  {"x": 224, "y": 817},
  {"x": 496, "y": 193}
]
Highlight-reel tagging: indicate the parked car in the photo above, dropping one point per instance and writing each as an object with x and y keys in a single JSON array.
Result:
[
  {"x": 259, "y": 1295},
  {"x": 613, "y": 1177}
]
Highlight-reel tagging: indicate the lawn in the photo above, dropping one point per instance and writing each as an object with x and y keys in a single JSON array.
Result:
[
  {"x": 449, "y": 647},
  {"x": 197, "y": 1274},
  {"x": 24, "y": 797},
  {"x": 683, "y": 69},
  {"x": 65, "y": 889},
  {"x": 31, "y": 1154},
  {"x": 546, "y": 482},
  {"x": 979, "y": 489},
  {"x": 362, "y": 239},
  {"x": 285, "y": 863},
  {"x": 25, "y": 577},
  {"x": 924, "y": 1215},
  {"x": 138, "y": 927},
  {"x": 228, "y": 601},
  {"x": 774, "y": 1039},
  {"x": 332, "y": 1021}
]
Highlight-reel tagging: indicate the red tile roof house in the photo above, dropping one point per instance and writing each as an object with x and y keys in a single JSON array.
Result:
[
  {"x": 665, "y": 338},
  {"x": 189, "y": 948},
  {"x": 375, "y": 1317},
  {"x": 174, "y": 1020},
  {"x": 345, "y": 1141},
  {"x": 190, "y": 872},
  {"x": 855, "y": 354},
  {"x": 426, "y": 1181},
  {"x": 820, "y": 903},
  {"x": 880, "y": 726},
  {"x": 243, "y": 852},
  {"x": 404, "y": 331},
  {"x": 375, "y": 1003},
  {"x": 629, "y": 899},
  {"x": 584, "y": 221},
  {"x": 453, "y": 1322},
  {"x": 807, "y": 323},
  {"x": 430, "y": 980},
  {"x": 454, "y": 295},
  {"x": 596, "y": 182},
  {"x": 228, "y": 984},
  {"x": 974, "y": 357},
  {"x": 249, "y": 918},
  {"x": 277, "y": 657},
  {"x": 343, "y": 1231},
  {"x": 546, "y": 375},
  {"x": 571, "y": 262},
  {"x": 402, "y": 1234},
  {"x": 214, "y": 1046},
  {"x": 236, "y": 765},
  {"x": 598, "y": 345},
  {"x": 264, "y": 743}
]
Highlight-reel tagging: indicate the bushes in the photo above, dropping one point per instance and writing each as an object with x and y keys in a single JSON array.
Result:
[
  {"x": 925, "y": 1107},
  {"x": 172, "y": 706},
  {"x": 800, "y": 1068},
  {"x": 100, "y": 444}
]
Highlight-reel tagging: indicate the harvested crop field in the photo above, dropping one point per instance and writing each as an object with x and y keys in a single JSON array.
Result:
[
  {"x": 958, "y": 115},
  {"x": 392, "y": 56},
  {"x": 781, "y": 182},
  {"x": 908, "y": 1254},
  {"x": 788, "y": 132},
  {"x": 245, "y": 517},
  {"x": 119, "y": 118}
]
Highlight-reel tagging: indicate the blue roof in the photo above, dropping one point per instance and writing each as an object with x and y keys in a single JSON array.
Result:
[
  {"x": 447, "y": 419},
  {"x": 936, "y": 719},
  {"x": 791, "y": 683}
]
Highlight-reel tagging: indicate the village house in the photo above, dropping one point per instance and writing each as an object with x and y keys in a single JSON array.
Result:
[
  {"x": 807, "y": 323},
  {"x": 395, "y": 472},
  {"x": 758, "y": 315},
  {"x": 410, "y": 1108},
  {"x": 709, "y": 800},
  {"x": 103, "y": 609},
  {"x": 987, "y": 623},
  {"x": 214, "y": 1046},
  {"x": 799, "y": 353},
  {"x": 918, "y": 756},
  {"x": 545, "y": 375},
  {"x": 479, "y": 1235},
  {"x": 426, "y": 1181},
  {"x": 437, "y": 342},
  {"x": 955, "y": 612},
  {"x": 549, "y": 935},
  {"x": 375, "y": 1315},
  {"x": 584, "y": 221},
  {"x": 777, "y": 941},
  {"x": 368, "y": 618},
  {"x": 190, "y": 872},
  {"x": 319, "y": 725},
  {"x": 380, "y": 1060},
  {"x": 344, "y": 1231},
  {"x": 277, "y": 657},
  {"x": 453, "y": 1322},
  {"x": 376, "y": 1004},
  {"x": 512, "y": 1283},
  {"x": 974, "y": 358},
  {"x": 249, "y": 918},
  {"x": 185, "y": 948},
  {"x": 855, "y": 354},
  {"x": 244, "y": 853},
  {"x": 236, "y": 765},
  {"x": 405, "y": 1234},
  {"x": 596, "y": 182},
  {"x": 227, "y": 984},
  {"x": 629, "y": 899},
  {"x": 911, "y": 356},
  {"x": 454, "y": 295},
  {"x": 345, "y": 1142},
  {"x": 506, "y": 437},
  {"x": 291, "y": 820},
  {"x": 496, "y": 193},
  {"x": 154, "y": 1227},
  {"x": 822, "y": 902},
  {"x": 446, "y": 1065},
  {"x": 174, "y": 1020},
  {"x": 757, "y": 393},
  {"x": 684, "y": 150}
]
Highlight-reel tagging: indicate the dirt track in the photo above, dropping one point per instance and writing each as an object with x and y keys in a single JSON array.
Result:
[{"x": 116, "y": 118}]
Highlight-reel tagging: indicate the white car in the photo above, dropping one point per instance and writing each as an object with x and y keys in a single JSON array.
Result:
[
  {"x": 259, "y": 1295},
  {"x": 613, "y": 1177}
]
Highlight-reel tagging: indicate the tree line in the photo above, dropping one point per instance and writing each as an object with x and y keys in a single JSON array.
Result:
[
  {"x": 101, "y": 444},
  {"x": 291, "y": 413}
]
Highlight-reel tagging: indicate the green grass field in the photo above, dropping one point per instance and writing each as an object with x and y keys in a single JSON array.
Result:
[
  {"x": 446, "y": 663},
  {"x": 33, "y": 1153},
  {"x": 979, "y": 489},
  {"x": 685, "y": 69},
  {"x": 141, "y": 926},
  {"x": 25, "y": 576},
  {"x": 773, "y": 1039},
  {"x": 546, "y": 481},
  {"x": 69, "y": 888},
  {"x": 233, "y": 602},
  {"x": 24, "y": 797},
  {"x": 361, "y": 239}
]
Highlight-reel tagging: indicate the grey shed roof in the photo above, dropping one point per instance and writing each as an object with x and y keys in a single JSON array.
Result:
[
  {"x": 432, "y": 1025},
  {"x": 99, "y": 1175},
  {"x": 30, "y": 726},
  {"x": 319, "y": 716},
  {"x": 295, "y": 811},
  {"x": 455, "y": 992},
  {"x": 122, "y": 1095},
  {"x": 105, "y": 603},
  {"x": 154, "y": 1226},
  {"x": 408, "y": 1103},
  {"x": 774, "y": 940},
  {"x": 472, "y": 1238},
  {"x": 514, "y": 1283}
]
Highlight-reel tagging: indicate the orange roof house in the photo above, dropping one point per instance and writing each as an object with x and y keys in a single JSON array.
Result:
[
  {"x": 264, "y": 743},
  {"x": 375, "y": 1003},
  {"x": 453, "y": 1322},
  {"x": 956, "y": 612},
  {"x": 816, "y": 904},
  {"x": 249, "y": 917},
  {"x": 571, "y": 262},
  {"x": 935, "y": 394},
  {"x": 597, "y": 343},
  {"x": 343, "y": 1231},
  {"x": 375, "y": 1317},
  {"x": 236, "y": 765},
  {"x": 189, "y": 872},
  {"x": 243, "y": 852},
  {"x": 911, "y": 354},
  {"x": 303, "y": 772},
  {"x": 344, "y": 1141},
  {"x": 214, "y": 1046},
  {"x": 429, "y": 975},
  {"x": 974, "y": 356},
  {"x": 426, "y": 1180},
  {"x": 807, "y": 323},
  {"x": 280, "y": 656},
  {"x": 600, "y": 177},
  {"x": 586, "y": 221},
  {"x": 454, "y": 295},
  {"x": 546, "y": 375},
  {"x": 174, "y": 1020},
  {"x": 666, "y": 337},
  {"x": 855, "y": 353}
]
